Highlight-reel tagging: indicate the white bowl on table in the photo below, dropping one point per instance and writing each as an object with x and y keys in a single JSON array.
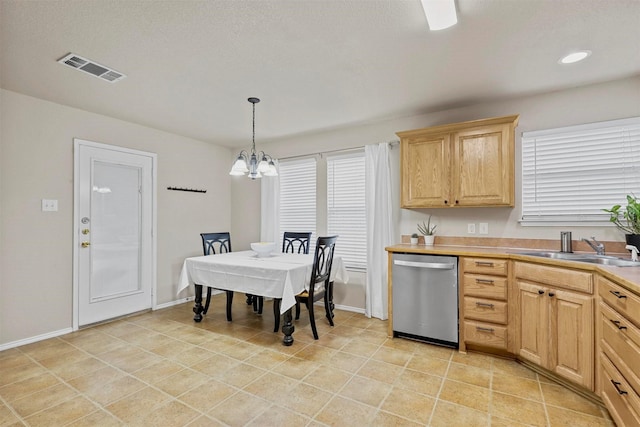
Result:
[{"x": 263, "y": 249}]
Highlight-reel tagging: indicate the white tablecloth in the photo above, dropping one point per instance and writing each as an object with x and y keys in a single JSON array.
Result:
[{"x": 277, "y": 276}]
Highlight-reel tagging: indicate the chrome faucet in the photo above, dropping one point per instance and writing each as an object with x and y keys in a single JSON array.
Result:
[{"x": 598, "y": 247}]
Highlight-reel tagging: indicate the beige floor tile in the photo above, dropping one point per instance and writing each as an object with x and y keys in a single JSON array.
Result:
[
  {"x": 517, "y": 409},
  {"x": 303, "y": 398},
  {"x": 340, "y": 409},
  {"x": 428, "y": 364},
  {"x": 392, "y": 356},
  {"x": 207, "y": 395},
  {"x": 270, "y": 385},
  {"x": 327, "y": 378},
  {"x": 11, "y": 359},
  {"x": 215, "y": 365},
  {"x": 239, "y": 409},
  {"x": 171, "y": 413},
  {"x": 63, "y": 413},
  {"x": 71, "y": 370},
  {"x": 469, "y": 374},
  {"x": 158, "y": 370},
  {"x": 503, "y": 422},
  {"x": 334, "y": 341},
  {"x": 115, "y": 390},
  {"x": 94, "y": 380},
  {"x": 240, "y": 375},
  {"x": 360, "y": 348},
  {"x": 380, "y": 371},
  {"x": 366, "y": 390},
  {"x": 373, "y": 337},
  {"x": 347, "y": 361},
  {"x": 511, "y": 367},
  {"x": 137, "y": 405},
  {"x": 407, "y": 404},
  {"x": 478, "y": 360},
  {"x": 296, "y": 368},
  {"x": 562, "y": 417},
  {"x": 433, "y": 351},
  {"x": 419, "y": 382},
  {"x": 266, "y": 359},
  {"x": 21, "y": 372},
  {"x": 7, "y": 417},
  {"x": 281, "y": 417},
  {"x": 204, "y": 421},
  {"x": 17, "y": 390},
  {"x": 516, "y": 386},
  {"x": 447, "y": 414},
  {"x": 98, "y": 418},
  {"x": 556, "y": 395},
  {"x": 182, "y": 382},
  {"x": 464, "y": 394},
  {"x": 43, "y": 399},
  {"x": 316, "y": 353},
  {"x": 385, "y": 419}
]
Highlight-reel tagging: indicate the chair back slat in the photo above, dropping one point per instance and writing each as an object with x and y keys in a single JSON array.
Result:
[
  {"x": 294, "y": 242},
  {"x": 216, "y": 243},
  {"x": 322, "y": 262}
]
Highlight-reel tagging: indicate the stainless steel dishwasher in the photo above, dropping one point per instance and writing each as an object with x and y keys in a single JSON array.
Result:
[{"x": 425, "y": 298}]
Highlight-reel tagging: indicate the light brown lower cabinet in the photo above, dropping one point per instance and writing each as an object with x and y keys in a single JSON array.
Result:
[{"x": 556, "y": 326}]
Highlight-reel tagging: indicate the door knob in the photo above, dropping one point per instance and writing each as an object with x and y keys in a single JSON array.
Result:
[{"x": 86, "y": 244}]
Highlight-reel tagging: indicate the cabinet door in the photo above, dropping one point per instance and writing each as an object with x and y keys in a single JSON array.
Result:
[
  {"x": 571, "y": 322},
  {"x": 425, "y": 171},
  {"x": 483, "y": 167},
  {"x": 533, "y": 323}
]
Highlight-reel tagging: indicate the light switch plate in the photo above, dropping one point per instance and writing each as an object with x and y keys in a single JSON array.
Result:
[
  {"x": 483, "y": 228},
  {"x": 471, "y": 229},
  {"x": 49, "y": 205}
]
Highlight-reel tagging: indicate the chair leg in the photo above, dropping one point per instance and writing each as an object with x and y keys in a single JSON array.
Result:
[
  {"x": 297, "y": 310},
  {"x": 206, "y": 304},
  {"x": 312, "y": 320},
  {"x": 249, "y": 299},
  {"x": 260, "y": 304},
  {"x": 229, "y": 301},
  {"x": 276, "y": 313},
  {"x": 327, "y": 308}
]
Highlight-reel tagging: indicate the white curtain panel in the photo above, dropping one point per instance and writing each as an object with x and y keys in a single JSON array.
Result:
[
  {"x": 270, "y": 207},
  {"x": 378, "y": 201}
]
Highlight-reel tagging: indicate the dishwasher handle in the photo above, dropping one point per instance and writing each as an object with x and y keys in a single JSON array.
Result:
[{"x": 427, "y": 265}]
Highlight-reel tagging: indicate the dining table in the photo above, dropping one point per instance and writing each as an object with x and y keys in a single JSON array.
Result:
[{"x": 280, "y": 276}]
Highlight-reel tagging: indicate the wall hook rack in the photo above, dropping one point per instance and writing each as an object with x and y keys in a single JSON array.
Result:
[{"x": 193, "y": 190}]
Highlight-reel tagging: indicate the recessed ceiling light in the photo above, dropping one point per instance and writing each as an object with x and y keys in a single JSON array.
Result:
[
  {"x": 575, "y": 57},
  {"x": 440, "y": 14}
]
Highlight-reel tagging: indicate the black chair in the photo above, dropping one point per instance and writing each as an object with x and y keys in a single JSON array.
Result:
[
  {"x": 217, "y": 243},
  {"x": 320, "y": 285},
  {"x": 292, "y": 242}
]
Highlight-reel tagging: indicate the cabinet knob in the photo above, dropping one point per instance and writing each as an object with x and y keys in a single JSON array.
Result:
[
  {"x": 541, "y": 291},
  {"x": 446, "y": 202},
  {"x": 456, "y": 202},
  {"x": 551, "y": 294}
]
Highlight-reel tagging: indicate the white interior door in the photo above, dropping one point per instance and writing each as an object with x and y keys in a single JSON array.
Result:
[{"x": 114, "y": 223}]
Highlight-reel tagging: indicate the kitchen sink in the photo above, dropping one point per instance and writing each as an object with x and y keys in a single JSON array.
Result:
[{"x": 589, "y": 258}]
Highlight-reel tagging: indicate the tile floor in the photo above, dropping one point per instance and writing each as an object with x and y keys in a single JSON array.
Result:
[{"x": 162, "y": 369}]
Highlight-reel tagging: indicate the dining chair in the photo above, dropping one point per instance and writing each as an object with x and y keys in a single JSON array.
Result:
[
  {"x": 292, "y": 242},
  {"x": 320, "y": 284},
  {"x": 217, "y": 243}
]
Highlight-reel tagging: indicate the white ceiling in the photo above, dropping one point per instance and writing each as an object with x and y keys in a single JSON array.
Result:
[{"x": 316, "y": 65}]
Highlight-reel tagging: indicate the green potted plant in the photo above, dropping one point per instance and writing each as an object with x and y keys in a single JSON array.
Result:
[
  {"x": 627, "y": 219},
  {"x": 428, "y": 231},
  {"x": 414, "y": 239}
]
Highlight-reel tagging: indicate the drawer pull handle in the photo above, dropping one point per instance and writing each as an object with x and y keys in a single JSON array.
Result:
[
  {"x": 484, "y": 264},
  {"x": 486, "y": 281},
  {"x": 617, "y": 324},
  {"x": 616, "y": 384},
  {"x": 481, "y": 329},
  {"x": 484, "y": 304},
  {"x": 618, "y": 294}
]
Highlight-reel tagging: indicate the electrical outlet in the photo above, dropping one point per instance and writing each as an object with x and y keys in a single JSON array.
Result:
[
  {"x": 471, "y": 229},
  {"x": 49, "y": 205},
  {"x": 484, "y": 228}
]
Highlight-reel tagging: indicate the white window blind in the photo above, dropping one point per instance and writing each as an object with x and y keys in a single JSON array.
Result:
[
  {"x": 570, "y": 174},
  {"x": 298, "y": 198},
  {"x": 346, "y": 208}
]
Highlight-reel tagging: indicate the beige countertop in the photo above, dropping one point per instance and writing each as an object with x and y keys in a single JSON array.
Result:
[{"x": 628, "y": 277}]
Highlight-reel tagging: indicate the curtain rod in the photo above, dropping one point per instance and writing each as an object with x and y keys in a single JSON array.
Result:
[{"x": 342, "y": 150}]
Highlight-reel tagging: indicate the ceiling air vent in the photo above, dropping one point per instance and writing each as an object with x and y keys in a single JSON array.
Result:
[{"x": 92, "y": 67}]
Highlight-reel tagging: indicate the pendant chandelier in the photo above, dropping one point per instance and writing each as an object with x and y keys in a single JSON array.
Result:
[{"x": 248, "y": 163}]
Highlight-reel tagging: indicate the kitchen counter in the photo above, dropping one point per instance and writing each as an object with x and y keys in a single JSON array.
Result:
[{"x": 628, "y": 277}]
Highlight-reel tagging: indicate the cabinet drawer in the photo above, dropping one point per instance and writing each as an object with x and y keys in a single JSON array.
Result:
[
  {"x": 485, "y": 266},
  {"x": 485, "y": 334},
  {"x": 621, "y": 299},
  {"x": 554, "y": 276},
  {"x": 485, "y": 286},
  {"x": 621, "y": 342},
  {"x": 485, "y": 310},
  {"x": 623, "y": 403}
]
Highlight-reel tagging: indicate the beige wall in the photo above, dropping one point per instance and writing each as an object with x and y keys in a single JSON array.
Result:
[
  {"x": 613, "y": 100},
  {"x": 36, "y": 247}
]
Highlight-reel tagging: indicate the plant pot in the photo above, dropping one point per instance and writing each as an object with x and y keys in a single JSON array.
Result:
[
  {"x": 633, "y": 239},
  {"x": 414, "y": 240},
  {"x": 428, "y": 240}
]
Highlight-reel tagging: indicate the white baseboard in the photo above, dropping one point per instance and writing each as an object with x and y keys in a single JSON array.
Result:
[
  {"x": 349, "y": 308},
  {"x": 37, "y": 338},
  {"x": 172, "y": 303}
]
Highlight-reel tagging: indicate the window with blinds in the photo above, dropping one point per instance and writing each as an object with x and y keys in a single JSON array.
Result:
[
  {"x": 298, "y": 198},
  {"x": 346, "y": 208},
  {"x": 570, "y": 174}
]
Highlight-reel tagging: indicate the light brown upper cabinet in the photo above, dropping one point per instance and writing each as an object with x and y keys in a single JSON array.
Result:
[{"x": 459, "y": 165}]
